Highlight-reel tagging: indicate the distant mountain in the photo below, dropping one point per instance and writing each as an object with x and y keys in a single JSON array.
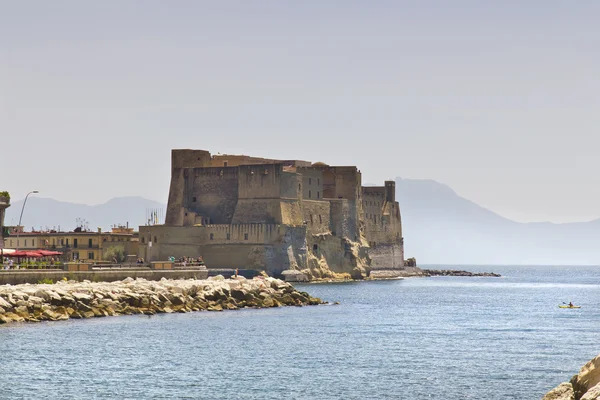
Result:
[
  {"x": 49, "y": 213},
  {"x": 441, "y": 227}
]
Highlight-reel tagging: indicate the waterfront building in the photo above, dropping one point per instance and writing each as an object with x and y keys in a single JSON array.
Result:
[
  {"x": 238, "y": 211},
  {"x": 78, "y": 244}
]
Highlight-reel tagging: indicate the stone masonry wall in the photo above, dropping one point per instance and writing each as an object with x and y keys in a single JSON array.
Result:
[{"x": 212, "y": 193}]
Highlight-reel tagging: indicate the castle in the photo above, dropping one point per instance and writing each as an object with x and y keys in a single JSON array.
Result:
[{"x": 245, "y": 212}]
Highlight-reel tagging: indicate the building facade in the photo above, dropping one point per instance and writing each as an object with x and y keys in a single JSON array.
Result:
[
  {"x": 238, "y": 211},
  {"x": 76, "y": 245}
]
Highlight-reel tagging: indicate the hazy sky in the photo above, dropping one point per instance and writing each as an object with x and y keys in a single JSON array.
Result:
[{"x": 499, "y": 100}]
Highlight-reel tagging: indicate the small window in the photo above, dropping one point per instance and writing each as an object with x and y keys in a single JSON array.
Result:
[
  {"x": 143, "y": 239},
  {"x": 245, "y": 236},
  {"x": 90, "y": 255},
  {"x": 311, "y": 218},
  {"x": 229, "y": 236},
  {"x": 225, "y": 163},
  {"x": 318, "y": 195},
  {"x": 309, "y": 194},
  {"x": 315, "y": 247},
  {"x": 309, "y": 181},
  {"x": 194, "y": 199},
  {"x": 299, "y": 187},
  {"x": 89, "y": 243},
  {"x": 212, "y": 236},
  {"x": 318, "y": 181},
  {"x": 155, "y": 241},
  {"x": 25, "y": 242},
  {"x": 320, "y": 220},
  {"x": 32, "y": 242}
]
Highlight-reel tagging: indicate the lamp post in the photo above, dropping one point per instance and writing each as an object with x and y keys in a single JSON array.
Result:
[{"x": 22, "y": 209}]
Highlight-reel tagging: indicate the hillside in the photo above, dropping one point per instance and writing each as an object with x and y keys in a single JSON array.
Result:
[
  {"x": 442, "y": 227},
  {"x": 45, "y": 213}
]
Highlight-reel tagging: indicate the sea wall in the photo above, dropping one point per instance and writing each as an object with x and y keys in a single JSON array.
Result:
[
  {"x": 17, "y": 277},
  {"x": 70, "y": 299},
  {"x": 583, "y": 386}
]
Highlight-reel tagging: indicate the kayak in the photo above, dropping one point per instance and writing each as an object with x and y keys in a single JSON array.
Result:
[{"x": 567, "y": 306}]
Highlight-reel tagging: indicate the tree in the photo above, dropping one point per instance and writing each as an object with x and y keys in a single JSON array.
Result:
[{"x": 115, "y": 252}]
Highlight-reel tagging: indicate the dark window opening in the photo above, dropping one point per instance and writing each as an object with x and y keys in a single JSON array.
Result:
[
  {"x": 155, "y": 241},
  {"x": 90, "y": 255},
  {"x": 318, "y": 194},
  {"x": 309, "y": 181},
  {"x": 309, "y": 194},
  {"x": 194, "y": 199},
  {"x": 143, "y": 239},
  {"x": 212, "y": 236},
  {"x": 225, "y": 163},
  {"x": 90, "y": 243},
  {"x": 229, "y": 236},
  {"x": 311, "y": 218},
  {"x": 75, "y": 243},
  {"x": 315, "y": 247},
  {"x": 320, "y": 220},
  {"x": 245, "y": 236}
]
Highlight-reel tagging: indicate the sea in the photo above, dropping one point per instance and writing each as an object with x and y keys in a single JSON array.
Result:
[{"x": 417, "y": 338}]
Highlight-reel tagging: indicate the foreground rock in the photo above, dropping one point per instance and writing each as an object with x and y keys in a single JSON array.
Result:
[
  {"x": 583, "y": 386},
  {"x": 451, "y": 272},
  {"x": 64, "y": 300}
]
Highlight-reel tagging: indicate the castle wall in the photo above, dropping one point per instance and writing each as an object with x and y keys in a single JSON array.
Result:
[
  {"x": 260, "y": 181},
  {"x": 383, "y": 226},
  {"x": 272, "y": 248},
  {"x": 212, "y": 193},
  {"x": 317, "y": 216},
  {"x": 256, "y": 211},
  {"x": 290, "y": 186},
  {"x": 340, "y": 218},
  {"x": 312, "y": 183},
  {"x": 291, "y": 212},
  {"x": 387, "y": 256},
  {"x": 180, "y": 160}
]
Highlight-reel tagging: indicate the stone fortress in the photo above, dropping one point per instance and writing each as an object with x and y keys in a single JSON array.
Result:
[{"x": 245, "y": 212}]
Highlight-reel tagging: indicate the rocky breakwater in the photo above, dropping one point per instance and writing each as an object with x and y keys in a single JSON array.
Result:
[
  {"x": 452, "y": 272},
  {"x": 70, "y": 299},
  {"x": 583, "y": 386}
]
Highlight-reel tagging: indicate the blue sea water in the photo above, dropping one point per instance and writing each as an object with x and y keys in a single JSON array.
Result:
[{"x": 418, "y": 338}]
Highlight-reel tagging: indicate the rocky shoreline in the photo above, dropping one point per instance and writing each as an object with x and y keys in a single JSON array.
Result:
[
  {"x": 452, "y": 272},
  {"x": 583, "y": 386},
  {"x": 72, "y": 299}
]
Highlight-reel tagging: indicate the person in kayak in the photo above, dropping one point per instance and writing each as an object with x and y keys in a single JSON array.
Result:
[{"x": 570, "y": 304}]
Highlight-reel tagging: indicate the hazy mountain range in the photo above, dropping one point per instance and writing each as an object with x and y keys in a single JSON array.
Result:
[{"x": 439, "y": 226}]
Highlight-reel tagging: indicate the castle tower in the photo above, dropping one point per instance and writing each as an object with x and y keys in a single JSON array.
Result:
[{"x": 390, "y": 191}]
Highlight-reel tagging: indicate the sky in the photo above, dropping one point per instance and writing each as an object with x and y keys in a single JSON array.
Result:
[{"x": 498, "y": 100}]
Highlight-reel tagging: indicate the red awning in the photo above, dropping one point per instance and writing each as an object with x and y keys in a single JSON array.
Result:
[
  {"x": 32, "y": 254},
  {"x": 48, "y": 252}
]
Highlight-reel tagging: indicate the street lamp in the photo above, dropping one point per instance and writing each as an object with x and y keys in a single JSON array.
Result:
[{"x": 22, "y": 209}]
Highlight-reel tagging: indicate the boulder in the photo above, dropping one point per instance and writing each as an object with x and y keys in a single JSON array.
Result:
[
  {"x": 5, "y": 304},
  {"x": 564, "y": 391},
  {"x": 587, "y": 378},
  {"x": 592, "y": 394}
]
